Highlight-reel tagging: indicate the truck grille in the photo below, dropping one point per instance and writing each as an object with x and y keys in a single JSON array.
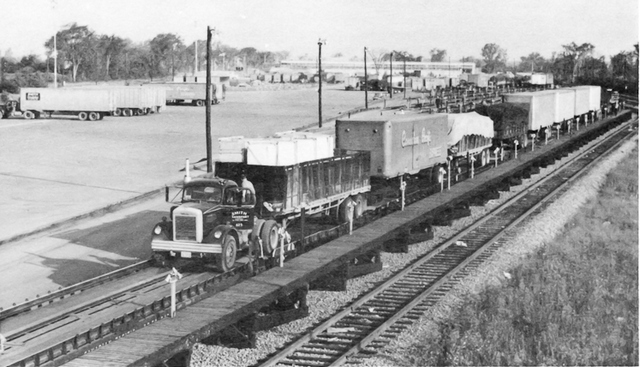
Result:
[{"x": 185, "y": 228}]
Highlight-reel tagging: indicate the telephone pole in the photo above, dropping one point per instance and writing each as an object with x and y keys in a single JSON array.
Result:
[
  {"x": 208, "y": 101},
  {"x": 320, "y": 43}
]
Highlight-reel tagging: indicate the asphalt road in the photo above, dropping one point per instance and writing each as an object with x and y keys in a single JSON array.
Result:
[{"x": 58, "y": 168}]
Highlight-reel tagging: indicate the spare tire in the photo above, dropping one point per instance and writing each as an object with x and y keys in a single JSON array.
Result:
[{"x": 269, "y": 235}]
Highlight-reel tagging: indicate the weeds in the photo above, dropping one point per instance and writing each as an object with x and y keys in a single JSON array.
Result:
[{"x": 573, "y": 302}]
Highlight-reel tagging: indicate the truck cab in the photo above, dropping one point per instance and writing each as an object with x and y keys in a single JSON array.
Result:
[{"x": 215, "y": 219}]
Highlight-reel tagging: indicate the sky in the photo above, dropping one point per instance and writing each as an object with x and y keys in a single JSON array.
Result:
[{"x": 461, "y": 27}]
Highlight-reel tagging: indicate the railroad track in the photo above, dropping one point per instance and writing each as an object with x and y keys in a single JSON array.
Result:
[
  {"x": 378, "y": 317},
  {"x": 64, "y": 333}
]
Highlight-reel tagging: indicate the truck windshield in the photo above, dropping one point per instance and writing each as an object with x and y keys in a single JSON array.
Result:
[{"x": 210, "y": 194}]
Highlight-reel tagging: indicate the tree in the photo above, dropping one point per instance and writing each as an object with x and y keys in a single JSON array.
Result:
[
  {"x": 164, "y": 50},
  {"x": 111, "y": 49},
  {"x": 575, "y": 55},
  {"x": 438, "y": 55},
  {"x": 534, "y": 61},
  {"x": 75, "y": 45},
  {"x": 494, "y": 58}
]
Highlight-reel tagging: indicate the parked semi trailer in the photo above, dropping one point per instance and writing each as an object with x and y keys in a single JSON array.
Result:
[
  {"x": 87, "y": 104},
  {"x": 134, "y": 100},
  {"x": 193, "y": 93}
]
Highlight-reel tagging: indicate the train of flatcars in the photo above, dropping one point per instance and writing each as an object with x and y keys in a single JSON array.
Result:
[{"x": 374, "y": 159}]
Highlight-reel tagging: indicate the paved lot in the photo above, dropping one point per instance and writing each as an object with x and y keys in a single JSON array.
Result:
[{"x": 59, "y": 168}]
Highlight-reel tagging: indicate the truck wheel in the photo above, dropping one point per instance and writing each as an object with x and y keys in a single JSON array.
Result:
[
  {"x": 28, "y": 115},
  {"x": 117, "y": 112},
  {"x": 199, "y": 103},
  {"x": 1, "y": 113},
  {"x": 139, "y": 112},
  {"x": 269, "y": 235},
  {"x": 361, "y": 205},
  {"x": 346, "y": 210},
  {"x": 83, "y": 116},
  {"x": 93, "y": 116},
  {"x": 127, "y": 112},
  {"x": 227, "y": 258},
  {"x": 160, "y": 259}
]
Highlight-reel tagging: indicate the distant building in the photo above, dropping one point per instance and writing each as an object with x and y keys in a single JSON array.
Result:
[{"x": 423, "y": 69}]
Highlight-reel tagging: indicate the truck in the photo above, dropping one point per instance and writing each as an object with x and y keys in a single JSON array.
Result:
[
  {"x": 216, "y": 218},
  {"x": 87, "y": 104},
  {"x": 193, "y": 93}
]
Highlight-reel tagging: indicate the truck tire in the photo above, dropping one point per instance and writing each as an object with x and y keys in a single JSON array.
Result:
[
  {"x": 28, "y": 115},
  {"x": 83, "y": 116},
  {"x": 199, "y": 103},
  {"x": 227, "y": 258},
  {"x": 2, "y": 113},
  {"x": 361, "y": 205},
  {"x": 269, "y": 236},
  {"x": 346, "y": 210},
  {"x": 160, "y": 259},
  {"x": 117, "y": 112},
  {"x": 127, "y": 112},
  {"x": 93, "y": 116}
]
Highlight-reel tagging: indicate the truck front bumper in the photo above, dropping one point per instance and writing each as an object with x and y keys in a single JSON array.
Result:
[{"x": 194, "y": 247}]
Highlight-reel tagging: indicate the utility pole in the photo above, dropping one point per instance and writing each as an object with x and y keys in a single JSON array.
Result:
[
  {"x": 208, "y": 101},
  {"x": 366, "y": 82},
  {"x": 320, "y": 43},
  {"x": 195, "y": 54},
  {"x": 404, "y": 74},
  {"x": 55, "y": 62},
  {"x": 391, "y": 75}
]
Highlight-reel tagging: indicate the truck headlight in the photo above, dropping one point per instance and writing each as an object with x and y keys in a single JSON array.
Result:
[
  {"x": 217, "y": 234},
  {"x": 157, "y": 230}
]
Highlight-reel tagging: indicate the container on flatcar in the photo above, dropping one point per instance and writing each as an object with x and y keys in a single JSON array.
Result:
[
  {"x": 589, "y": 96},
  {"x": 565, "y": 104},
  {"x": 400, "y": 142},
  {"x": 541, "y": 105},
  {"x": 469, "y": 133}
]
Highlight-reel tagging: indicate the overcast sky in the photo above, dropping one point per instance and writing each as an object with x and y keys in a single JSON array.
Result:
[{"x": 462, "y": 27}]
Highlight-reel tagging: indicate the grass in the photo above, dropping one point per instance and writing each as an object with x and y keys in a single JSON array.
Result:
[{"x": 572, "y": 302}]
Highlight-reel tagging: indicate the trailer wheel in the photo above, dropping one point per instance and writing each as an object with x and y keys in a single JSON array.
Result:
[
  {"x": 93, "y": 116},
  {"x": 227, "y": 258},
  {"x": 117, "y": 112},
  {"x": 199, "y": 103},
  {"x": 139, "y": 112},
  {"x": 28, "y": 115},
  {"x": 83, "y": 116},
  {"x": 483, "y": 158},
  {"x": 100, "y": 115},
  {"x": 269, "y": 235},
  {"x": 146, "y": 111},
  {"x": 2, "y": 113},
  {"x": 346, "y": 210},
  {"x": 127, "y": 112}
]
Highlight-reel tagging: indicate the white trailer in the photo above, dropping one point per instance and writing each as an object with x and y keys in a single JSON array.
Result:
[
  {"x": 194, "y": 93},
  {"x": 565, "y": 104},
  {"x": 135, "y": 100},
  {"x": 541, "y": 105},
  {"x": 87, "y": 104}
]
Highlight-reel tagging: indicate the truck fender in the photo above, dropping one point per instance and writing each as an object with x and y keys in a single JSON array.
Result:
[
  {"x": 257, "y": 227},
  {"x": 166, "y": 229},
  {"x": 219, "y": 233}
]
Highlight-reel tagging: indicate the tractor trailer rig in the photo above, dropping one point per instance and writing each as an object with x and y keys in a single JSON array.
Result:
[{"x": 216, "y": 218}]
